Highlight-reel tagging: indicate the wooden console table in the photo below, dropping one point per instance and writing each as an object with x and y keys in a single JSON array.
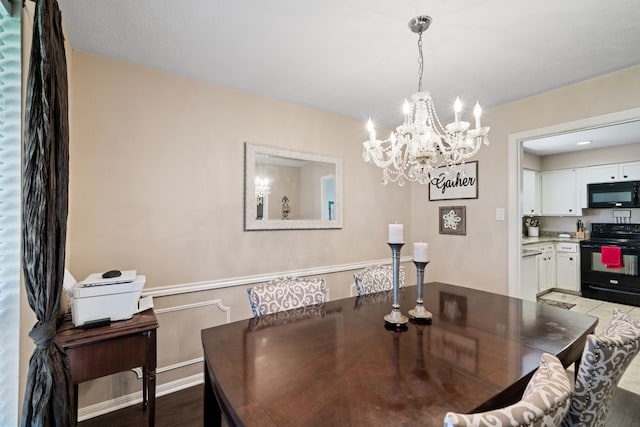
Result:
[{"x": 114, "y": 348}]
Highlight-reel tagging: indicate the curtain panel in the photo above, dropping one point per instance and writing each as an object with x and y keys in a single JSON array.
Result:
[{"x": 48, "y": 395}]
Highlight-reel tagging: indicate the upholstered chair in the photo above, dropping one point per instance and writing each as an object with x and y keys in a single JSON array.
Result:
[
  {"x": 604, "y": 360},
  {"x": 545, "y": 402},
  {"x": 377, "y": 278},
  {"x": 286, "y": 293}
]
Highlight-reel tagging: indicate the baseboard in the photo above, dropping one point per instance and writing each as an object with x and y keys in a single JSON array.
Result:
[{"x": 107, "y": 406}]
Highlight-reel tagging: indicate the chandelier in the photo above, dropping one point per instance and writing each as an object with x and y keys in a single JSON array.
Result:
[
  {"x": 421, "y": 144},
  {"x": 262, "y": 188}
]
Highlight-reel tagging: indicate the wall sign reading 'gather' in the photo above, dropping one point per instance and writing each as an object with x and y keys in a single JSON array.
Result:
[{"x": 460, "y": 185}]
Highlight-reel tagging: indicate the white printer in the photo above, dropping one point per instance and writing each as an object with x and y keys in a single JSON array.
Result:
[{"x": 99, "y": 299}]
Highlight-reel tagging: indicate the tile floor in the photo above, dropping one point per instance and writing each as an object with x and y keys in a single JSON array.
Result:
[{"x": 630, "y": 381}]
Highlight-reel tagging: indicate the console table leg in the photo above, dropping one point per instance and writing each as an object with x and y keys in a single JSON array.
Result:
[
  {"x": 145, "y": 386},
  {"x": 152, "y": 397}
]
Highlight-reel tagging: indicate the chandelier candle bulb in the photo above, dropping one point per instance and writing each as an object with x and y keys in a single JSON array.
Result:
[
  {"x": 406, "y": 109},
  {"x": 477, "y": 112},
  {"x": 420, "y": 252},
  {"x": 396, "y": 233},
  {"x": 372, "y": 132},
  {"x": 457, "y": 108}
]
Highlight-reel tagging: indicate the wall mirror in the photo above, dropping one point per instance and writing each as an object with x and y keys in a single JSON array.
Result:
[{"x": 291, "y": 190}]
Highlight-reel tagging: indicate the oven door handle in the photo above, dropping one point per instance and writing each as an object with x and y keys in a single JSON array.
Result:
[{"x": 624, "y": 248}]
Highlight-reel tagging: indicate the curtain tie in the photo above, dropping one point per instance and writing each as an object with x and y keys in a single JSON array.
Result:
[{"x": 43, "y": 334}]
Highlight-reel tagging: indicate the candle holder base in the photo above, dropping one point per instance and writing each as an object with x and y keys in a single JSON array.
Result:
[
  {"x": 396, "y": 318},
  {"x": 420, "y": 314}
]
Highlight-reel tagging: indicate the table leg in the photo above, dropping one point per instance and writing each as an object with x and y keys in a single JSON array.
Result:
[
  {"x": 151, "y": 376},
  {"x": 75, "y": 400},
  {"x": 211, "y": 410},
  {"x": 145, "y": 386},
  {"x": 152, "y": 397}
]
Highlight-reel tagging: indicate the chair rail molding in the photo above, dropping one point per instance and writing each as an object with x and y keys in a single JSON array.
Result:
[{"x": 163, "y": 291}]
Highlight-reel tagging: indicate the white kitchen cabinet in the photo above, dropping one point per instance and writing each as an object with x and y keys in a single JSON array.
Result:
[
  {"x": 630, "y": 171},
  {"x": 615, "y": 172},
  {"x": 528, "y": 276},
  {"x": 604, "y": 173},
  {"x": 559, "y": 195},
  {"x": 546, "y": 267},
  {"x": 568, "y": 266},
  {"x": 530, "y": 192}
]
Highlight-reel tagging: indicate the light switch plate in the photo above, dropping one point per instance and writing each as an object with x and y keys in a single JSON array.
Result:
[{"x": 499, "y": 214}]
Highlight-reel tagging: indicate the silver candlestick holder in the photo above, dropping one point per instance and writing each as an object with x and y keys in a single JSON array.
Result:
[
  {"x": 395, "y": 317},
  {"x": 419, "y": 313}
]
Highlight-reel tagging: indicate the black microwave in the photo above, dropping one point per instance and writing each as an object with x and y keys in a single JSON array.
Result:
[{"x": 624, "y": 194}]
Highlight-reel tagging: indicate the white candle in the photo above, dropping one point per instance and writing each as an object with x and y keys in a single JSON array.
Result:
[
  {"x": 406, "y": 109},
  {"x": 457, "y": 108},
  {"x": 395, "y": 233},
  {"x": 372, "y": 132},
  {"x": 477, "y": 112},
  {"x": 420, "y": 253}
]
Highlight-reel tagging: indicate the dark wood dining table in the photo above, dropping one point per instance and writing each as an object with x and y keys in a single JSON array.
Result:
[{"x": 339, "y": 364}]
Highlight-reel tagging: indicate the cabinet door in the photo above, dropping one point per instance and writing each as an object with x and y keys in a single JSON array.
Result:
[
  {"x": 530, "y": 192},
  {"x": 559, "y": 192},
  {"x": 630, "y": 171},
  {"x": 542, "y": 273},
  {"x": 551, "y": 266},
  {"x": 567, "y": 271},
  {"x": 604, "y": 173}
]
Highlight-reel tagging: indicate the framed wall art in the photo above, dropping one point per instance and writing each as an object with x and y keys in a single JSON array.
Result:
[
  {"x": 453, "y": 220},
  {"x": 461, "y": 185}
]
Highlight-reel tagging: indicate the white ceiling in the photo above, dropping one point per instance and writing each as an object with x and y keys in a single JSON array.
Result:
[
  {"x": 358, "y": 57},
  {"x": 601, "y": 137}
]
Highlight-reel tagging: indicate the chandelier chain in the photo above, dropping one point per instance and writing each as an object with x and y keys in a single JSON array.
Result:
[{"x": 420, "y": 62}]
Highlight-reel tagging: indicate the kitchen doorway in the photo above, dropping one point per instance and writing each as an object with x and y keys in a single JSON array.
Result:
[{"x": 515, "y": 154}]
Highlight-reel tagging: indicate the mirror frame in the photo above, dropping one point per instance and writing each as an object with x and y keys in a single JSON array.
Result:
[{"x": 250, "y": 207}]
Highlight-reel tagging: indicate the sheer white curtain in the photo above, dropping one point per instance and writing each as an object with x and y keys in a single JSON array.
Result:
[{"x": 10, "y": 205}]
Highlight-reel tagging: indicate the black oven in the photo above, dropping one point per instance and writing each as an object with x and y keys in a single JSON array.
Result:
[{"x": 616, "y": 283}]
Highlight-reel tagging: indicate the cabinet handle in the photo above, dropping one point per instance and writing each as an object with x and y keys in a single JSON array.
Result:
[
  {"x": 570, "y": 259},
  {"x": 570, "y": 210},
  {"x": 613, "y": 177},
  {"x": 625, "y": 176}
]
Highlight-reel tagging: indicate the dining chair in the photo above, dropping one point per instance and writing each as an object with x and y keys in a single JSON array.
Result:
[
  {"x": 604, "y": 360},
  {"x": 286, "y": 293},
  {"x": 377, "y": 278},
  {"x": 545, "y": 401}
]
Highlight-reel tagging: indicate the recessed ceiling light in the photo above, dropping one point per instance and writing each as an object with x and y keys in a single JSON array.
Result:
[{"x": 583, "y": 143}]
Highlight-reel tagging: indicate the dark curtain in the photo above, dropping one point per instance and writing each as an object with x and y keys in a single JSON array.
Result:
[{"x": 48, "y": 396}]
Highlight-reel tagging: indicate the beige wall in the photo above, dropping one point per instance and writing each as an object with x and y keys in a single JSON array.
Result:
[
  {"x": 157, "y": 184},
  {"x": 602, "y": 156},
  {"x": 157, "y": 179}
]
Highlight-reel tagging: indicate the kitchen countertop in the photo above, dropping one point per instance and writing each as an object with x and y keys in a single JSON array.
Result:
[{"x": 549, "y": 239}]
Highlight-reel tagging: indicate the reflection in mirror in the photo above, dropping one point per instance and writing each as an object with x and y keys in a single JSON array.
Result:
[{"x": 287, "y": 189}]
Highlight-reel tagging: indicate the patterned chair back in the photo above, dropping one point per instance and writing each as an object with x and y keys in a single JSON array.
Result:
[
  {"x": 377, "y": 278},
  {"x": 604, "y": 360},
  {"x": 545, "y": 402},
  {"x": 286, "y": 293}
]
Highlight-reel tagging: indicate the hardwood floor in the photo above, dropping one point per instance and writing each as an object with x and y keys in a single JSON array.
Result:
[{"x": 184, "y": 409}]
